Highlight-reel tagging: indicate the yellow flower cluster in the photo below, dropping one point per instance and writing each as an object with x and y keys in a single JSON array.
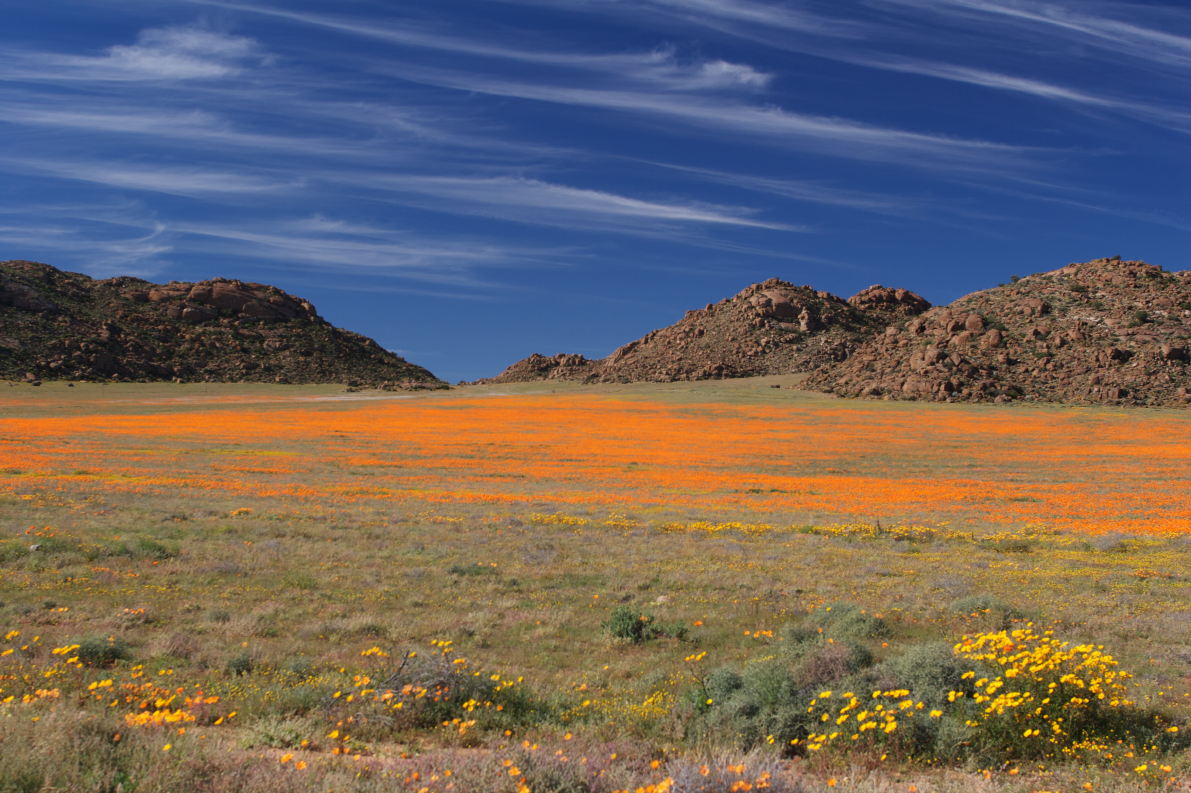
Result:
[
  {"x": 854, "y": 718},
  {"x": 872, "y": 531},
  {"x": 557, "y": 519},
  {"x": 1027, "y": 693},
  {"x": 615, "y": 520},
  {"x": 1043, "y": 679},
  {"x": 716, "y": 527},
  {"x": 1043, "y": 689}
]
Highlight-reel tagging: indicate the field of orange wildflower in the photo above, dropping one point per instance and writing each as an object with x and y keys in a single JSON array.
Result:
[
  {"x": 1087, "y": 471},
  {"x": 691, "y": 588}
]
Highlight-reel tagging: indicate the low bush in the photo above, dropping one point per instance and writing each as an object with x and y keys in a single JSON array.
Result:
[
  {"x": 631, "y": 624},
  {"x": 987, "y": 605},
  {"x": 765, "y": 701},
  {"x": 101, "y": 652},
  {"x": 1016, "y": 695},
  {"x": 240, "y": 664}
]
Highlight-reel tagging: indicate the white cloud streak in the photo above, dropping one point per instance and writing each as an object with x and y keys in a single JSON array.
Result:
[
  {"x": 534, "y": 201},
  {"x": 318, "y": 243},
  {"x": 1119, "y": 34},
  {"x": 180, "y": 181},
  {"x": 798, "y": 190},
  {"x": 105, "y": 255},
  {"x": 719, "y": 14},
  {"x": 764, "y": 23},
  {"x": 769, "y": 15},
  {"x": 841, "y": 137},
  {"x": 160, "y": 55},
  {"x": 122, "y": 238},
  {"x": 193, "y": 126},
  {"x": 659, "y": 68},
  {"x": 354, "y": 131},
  {"x": 1159, "y": 115}
]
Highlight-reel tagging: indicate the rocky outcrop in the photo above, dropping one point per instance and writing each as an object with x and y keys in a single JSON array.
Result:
[
  {"x": 563, "y": 366},
  {"x": 1100, "y": 332},
  {"x": 773, "y": 327},
  {"x": 59, "y": 325},
  {"x": 888, "y": 304}
]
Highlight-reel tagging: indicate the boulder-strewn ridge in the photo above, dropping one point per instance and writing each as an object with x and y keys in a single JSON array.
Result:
[
  {"x": 773, "y": 327},
  {"x": 1100, "y": 332},
  {"x": 60, "y": 325}
]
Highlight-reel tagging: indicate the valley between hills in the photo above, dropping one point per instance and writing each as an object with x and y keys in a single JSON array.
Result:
[
  {"x": 1107, "y": 332},
  {"x": 792, "y": 543}
]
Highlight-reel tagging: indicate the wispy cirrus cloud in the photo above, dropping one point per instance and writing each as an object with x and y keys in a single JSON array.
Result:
[
  {"x": 124, "y": 238},
  {"x": 112, "y": 245},
  {"x": 1117, "y": 29},
  {"x": 867, "y": 45},
  {"x": 1150, "y": 112},
  {"x": 200, "y": 127},
  {"x": 660, "y": 68},
  {"x": 321, "y": 244},
  {"x": 191, "y": 182},
  {"x": 539, "y": 202},
  {"x": 768, "y": 14},
  {"x": 777, "y": 126},
  {"x": 336, "y": 130},
  {"x": 159, "y": 55},
  {"x": 799, "y": 190},
  {"x": 719, "y": 14}
]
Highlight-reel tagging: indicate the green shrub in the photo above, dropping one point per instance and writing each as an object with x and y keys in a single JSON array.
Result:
[
  {"x": 1016, "y": 695},
  {"x": 797, "y": 641},
  {"x": 97, "y": 652},
  {"x": 240, "y": 664},
  {"x": 628, "y": 623},
  {"x": 998, "y": 612},
  {"x": 743, "y": 708},
  {"x": 928, "y": 670}
]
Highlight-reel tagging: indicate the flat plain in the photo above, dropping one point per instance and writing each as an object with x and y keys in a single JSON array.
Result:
[{"x": 567, "y": 588}]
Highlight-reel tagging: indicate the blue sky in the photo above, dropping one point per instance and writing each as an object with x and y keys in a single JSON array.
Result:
[{"x": 469, "y": 181}]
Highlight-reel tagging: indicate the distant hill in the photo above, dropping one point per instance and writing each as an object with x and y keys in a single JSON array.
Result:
[
  {"x": 1100, "y": 332},
  {"x": 772, "y": 327},
  {"x": 60, "y": 325}
]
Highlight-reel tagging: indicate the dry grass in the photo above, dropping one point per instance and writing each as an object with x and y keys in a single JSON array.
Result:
[{"x": 256, "y": 540}]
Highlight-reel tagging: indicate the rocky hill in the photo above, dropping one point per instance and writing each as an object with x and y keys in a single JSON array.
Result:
[
  {"x": 60, "y": 325},
  {"x": 772, "y": 327},
  {"x": 564, "y": 366},
  {"x": 1099, "y": 332}
]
